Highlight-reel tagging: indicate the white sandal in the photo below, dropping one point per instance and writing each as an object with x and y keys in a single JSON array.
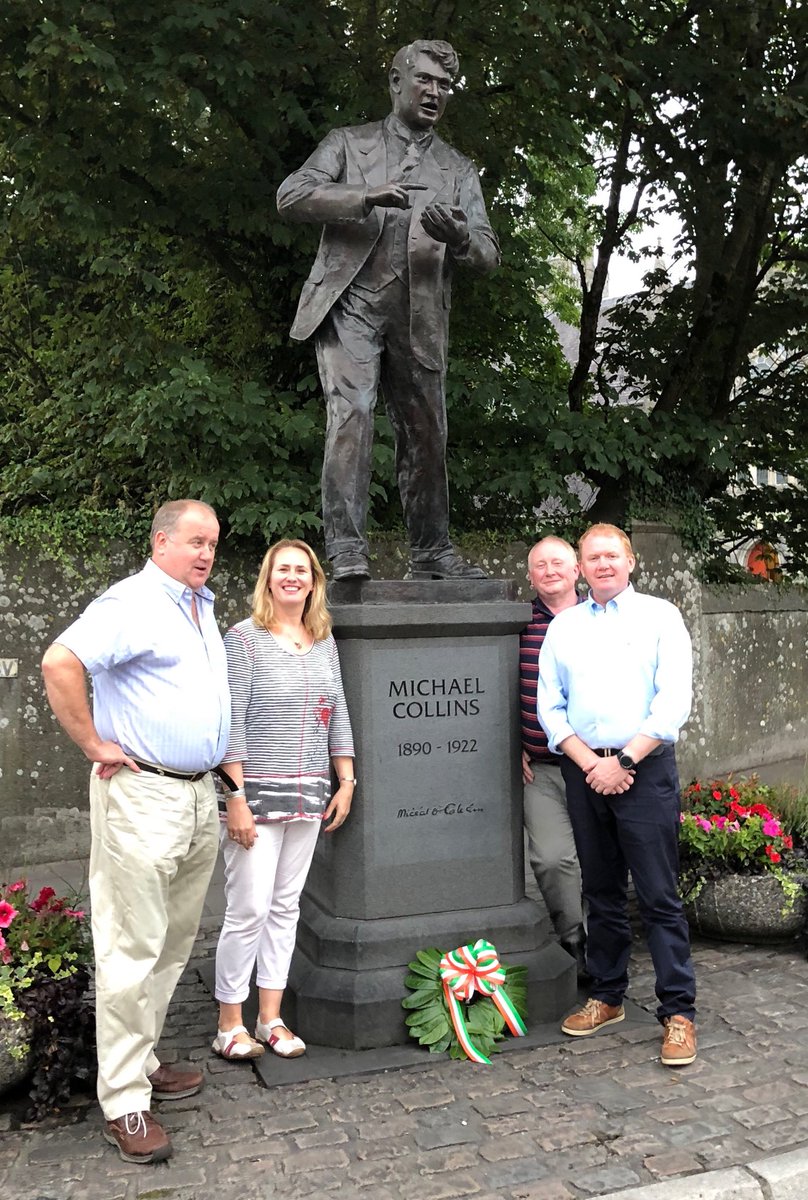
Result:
[
  {"x": 226, "y": 1046},
  {"x": 285, "y": 1047}
]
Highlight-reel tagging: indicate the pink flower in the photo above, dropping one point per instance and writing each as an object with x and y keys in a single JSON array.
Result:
[
  {"x": 7, "y": 914},
  {"x": 772, "y": 827},
  {"x": 78, "y": 913},
  {"x": 16, "y": 887},
  {"x": 703, "y": 823},
  {"x": 5, "y": 954},
  {"x": 720, "y": 822}
]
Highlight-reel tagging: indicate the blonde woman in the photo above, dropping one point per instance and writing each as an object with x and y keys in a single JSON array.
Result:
[{"x": 290, "y": 725}]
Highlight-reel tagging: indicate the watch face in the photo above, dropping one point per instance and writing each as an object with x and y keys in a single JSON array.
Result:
[{"x": 626, "y": 762}]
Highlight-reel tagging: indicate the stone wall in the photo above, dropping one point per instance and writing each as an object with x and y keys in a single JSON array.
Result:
[
  {"x": 750, "y": 646},
  {"x": 750, "y": 651}
]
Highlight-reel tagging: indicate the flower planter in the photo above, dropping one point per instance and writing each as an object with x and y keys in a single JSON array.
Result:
[
  {"x": 746, "y": 908},
  {"x": 16, "y": 1052}
]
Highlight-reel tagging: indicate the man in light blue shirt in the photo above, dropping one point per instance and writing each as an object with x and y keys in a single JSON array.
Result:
[
  {"x": 615, "y": 687},
  {"x": 160, "y": 721}
]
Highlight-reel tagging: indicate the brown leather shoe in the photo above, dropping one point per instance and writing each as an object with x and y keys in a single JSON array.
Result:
[
  {"x": 593, "y": 1016},
  {"x": 678, "y": 1042},
  {"x": 139, "y": 1138},
  {"x": 168, "y": 1083}
]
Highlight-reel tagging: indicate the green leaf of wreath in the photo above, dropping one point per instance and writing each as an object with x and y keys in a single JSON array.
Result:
[
  {"x": 429, "y": 958},
  {"x": 421, "y": 999},
  {"x": 424, "y": 970},
  {"x": 422, "y": 984}
]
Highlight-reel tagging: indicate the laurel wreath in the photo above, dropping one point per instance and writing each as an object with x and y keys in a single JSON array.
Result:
[{"x": 428, "y": 1019}]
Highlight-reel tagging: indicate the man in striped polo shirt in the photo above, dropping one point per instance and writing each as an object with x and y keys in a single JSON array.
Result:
[{"x": 553, "y": 571}]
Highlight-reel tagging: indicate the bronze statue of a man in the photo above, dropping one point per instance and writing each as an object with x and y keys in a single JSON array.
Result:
[{"x": 399, "y": 208}]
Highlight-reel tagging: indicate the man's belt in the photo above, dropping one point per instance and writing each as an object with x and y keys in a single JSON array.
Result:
[
  {"x": 186, "y": 776},
  {"x": 609, "y": 751}
]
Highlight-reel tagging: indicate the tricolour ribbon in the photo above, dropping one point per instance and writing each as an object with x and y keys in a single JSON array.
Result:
[{"x": 476, "y": 967}]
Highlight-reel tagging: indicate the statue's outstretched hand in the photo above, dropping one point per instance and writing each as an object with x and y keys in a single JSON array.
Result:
[
  {"x": 446, "y": 223},
  {"x": 392, "y": 195}
]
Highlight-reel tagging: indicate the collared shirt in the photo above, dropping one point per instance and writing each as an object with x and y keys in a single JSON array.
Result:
[
  {"x": 394, "y": 126},
  {"x": 159, "y": 683},
  {"x": 607, "y": 673},
  {"x": 531, "y": 639}
]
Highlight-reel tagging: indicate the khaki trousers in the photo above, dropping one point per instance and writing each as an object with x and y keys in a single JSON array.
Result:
[
  {"x": 154, "y": 844},
  {"x": 551, "y": 849}
]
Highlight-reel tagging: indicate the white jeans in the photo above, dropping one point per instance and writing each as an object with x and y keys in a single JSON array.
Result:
[
  {"x": 551, "y": 849},
  {"x": 152, "y": 855},
  {"x": 262, "y": 889}
]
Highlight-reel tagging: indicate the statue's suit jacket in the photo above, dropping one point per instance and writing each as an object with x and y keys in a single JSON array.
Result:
[{"x": 330, "y": 188}]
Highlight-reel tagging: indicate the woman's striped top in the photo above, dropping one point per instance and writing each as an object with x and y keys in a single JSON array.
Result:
[{"x": 289, "y": 720}]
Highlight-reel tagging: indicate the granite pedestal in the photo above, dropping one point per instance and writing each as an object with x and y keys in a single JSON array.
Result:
[{"x": 432, "y": 854}]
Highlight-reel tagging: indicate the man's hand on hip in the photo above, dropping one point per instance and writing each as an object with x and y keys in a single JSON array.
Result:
[{"x": 110, "y": 758}]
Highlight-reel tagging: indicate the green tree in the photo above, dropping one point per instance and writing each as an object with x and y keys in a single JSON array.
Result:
[
  {"x": 148, "y": 285},
  {"x": 702, "y": 111}
]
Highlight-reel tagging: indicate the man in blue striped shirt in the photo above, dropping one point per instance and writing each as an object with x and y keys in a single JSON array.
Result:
[
  {"x": 160, "y": 721},
  {"x": 615, "y": 687}
]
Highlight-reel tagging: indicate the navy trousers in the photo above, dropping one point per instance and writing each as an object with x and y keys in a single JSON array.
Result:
[{"x": 635, "y": 831}]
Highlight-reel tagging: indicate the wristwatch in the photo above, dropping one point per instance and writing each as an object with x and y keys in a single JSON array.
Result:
[{"x": 626, "y": 761}]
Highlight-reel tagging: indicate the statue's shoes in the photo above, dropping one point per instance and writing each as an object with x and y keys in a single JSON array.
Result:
[
  {"x": 446, "y": 566},
  {"x": 350, "y": 565}
]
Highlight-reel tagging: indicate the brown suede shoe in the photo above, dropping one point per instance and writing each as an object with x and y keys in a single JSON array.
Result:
[
  {"x": 139, "y": 1138},
  {"x": 168, "y": 1083},
  {"x": 593, "y": 1016},
  {"x": 678, "y": 1042}
]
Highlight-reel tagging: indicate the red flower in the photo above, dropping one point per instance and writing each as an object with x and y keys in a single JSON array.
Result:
[
  {"x": 42, "y": 899},
  {"x": 788, "y": 841},
  {"x": 760, "y": 810},
  {"x": 7, "y": 914},
  {"x": 734, "y": 795},
  {"x": 717, "y": 795},
  {"x": 772, "y": 853}
]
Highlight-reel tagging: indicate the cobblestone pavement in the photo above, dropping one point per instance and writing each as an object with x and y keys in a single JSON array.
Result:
[{"x": 586, "y": 1118}]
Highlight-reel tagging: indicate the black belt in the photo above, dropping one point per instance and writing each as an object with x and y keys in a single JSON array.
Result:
[
  {"x": 186, "y": 776},
  {"x": 609, "y": 752}
]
